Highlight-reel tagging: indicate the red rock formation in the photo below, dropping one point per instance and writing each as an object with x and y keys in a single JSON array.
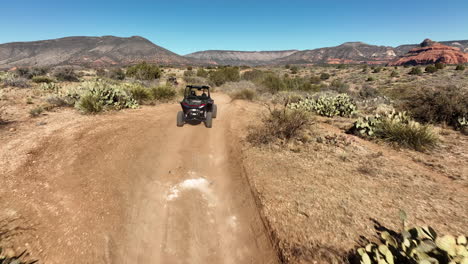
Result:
[{"x": 431, "y": 52}]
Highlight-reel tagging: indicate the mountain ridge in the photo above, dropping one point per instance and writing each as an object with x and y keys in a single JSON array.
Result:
[{"x": 103, "y": 51}]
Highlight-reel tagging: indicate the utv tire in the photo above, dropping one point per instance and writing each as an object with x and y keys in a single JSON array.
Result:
[
  {"x": 180, "y": 119},
  {"x": 209, "y": 120},
  {"x": 214, "y": 110}
]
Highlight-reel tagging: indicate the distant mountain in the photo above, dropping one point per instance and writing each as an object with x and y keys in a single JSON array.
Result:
[
  {"x": 350, "y": 52},
  {"x": 110, "y": 50},
  {"x": 227, "y": 57},
  {"x": 86, "y": 51},
  {"x": 346, "y": 53}
]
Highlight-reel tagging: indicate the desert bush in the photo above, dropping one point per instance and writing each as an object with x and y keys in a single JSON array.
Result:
[
  {"x": 100, "y": 95},
  {"x": 50, "y": 87},
  {"x": 254, "y": 75},
  {"x": 339, "y": 86},
  {"x": 368, "y": 91},
  {"x": 294, "y": 69},
  {"x": 315, "y": 80},
  {"x": 18, "y": 82},
  {"x": 163, "y": 93},
  {"x": 279, "y": 124},
  {"x": 139, "y": 92},
  {"x": 377, "y": 70},
  {"x": 65, "y": 75},
  {"x": 189, "y": 73},
  {"x": 439, "y": 66},
  {"x": 42, "y": 79},
  {"x": 202, "y": 73},
  {"x": 29, "y": 73},
  {"x": 370, "y": 79},
  {"x": 324, "y": 76},
  {"x": 273, "y": 84},
  {"x": 244, "y": 94},
  {"x": 36, "y": 111},
  {"x": 116, "y": 74},
  {"x": 341, "y": 66},
  {"x": 144, "y": 71},
  {"x": 412, "y": 245},
  {"x": 56, "y": 100},
  {"x": 440, "y": 105},
  {"x": 394, "y": 74},
  {"x": 460, "y": 67},
  {"x": 224, "y": 74},
  {"x": 339, "y": 105},
  {"x": 415, "y": 71},
  {"x": 396, "y": 127},
  {"x": 431, "y": 69},
  {"x": 195, "y": 80}
]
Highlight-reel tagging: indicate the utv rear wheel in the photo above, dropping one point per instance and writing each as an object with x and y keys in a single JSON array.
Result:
[
  {"x": 209, "y": 120},
  {"x": 180, "y": 119},
  {"x": 214, "y": 110}
]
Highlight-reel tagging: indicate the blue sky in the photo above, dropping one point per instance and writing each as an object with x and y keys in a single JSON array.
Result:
[{"x": 188, "y": 26}]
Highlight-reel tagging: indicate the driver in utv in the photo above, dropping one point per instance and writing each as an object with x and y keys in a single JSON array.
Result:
[{"x": 197, "y": 108}]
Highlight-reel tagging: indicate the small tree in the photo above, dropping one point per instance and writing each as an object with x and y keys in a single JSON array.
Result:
[
  {"x": 439, "y": 66},
  {"x": 324, "y": 76},
  {"x": 431, "y": 69},
  {"x": 144, "y": 71},
  {"x": 460, "y": 67},
  {"x": 415, "y": 71}
]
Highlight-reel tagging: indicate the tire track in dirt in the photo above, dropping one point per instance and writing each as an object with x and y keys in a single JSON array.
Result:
[{"x": 193, "y": 205}]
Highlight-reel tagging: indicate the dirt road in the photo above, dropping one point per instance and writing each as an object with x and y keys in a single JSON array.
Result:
[{"x": 134, "y": 188}]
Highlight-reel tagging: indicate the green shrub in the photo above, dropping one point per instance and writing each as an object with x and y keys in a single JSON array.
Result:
[
  {"x": 244, "y": 94},
  {"x": 339, "y": 86},
  {"x": 394, "y": 74},
  {"x": 377, "y": 70},
  {"x": 439, "y": 65},
  {"x": 202, "y": 73},
  {"x": 189, "y": 73},
  {"x": 139, "y": 92},
  {"x": 396, "y": 127},
  {"x": 101, "y": 95},
  {"x": 294, "y": 70},
  {"x": 341, "y": 66},
  {"x": 460, "y": 67},
  {"x": 283, "y": 124},
  {"x": 116, "y": 74},
  {"x": 29, "y": 73},
  {"x": 412, "y": 135},
  {"x": 163, "y": 93},
  {"x": 431, "y": 69},
  {"x": 368, "y": 91},
  {"x": 315, "y": 80},
  {"x": 370, "y": 79},
  {"x": 50, "y": 87},
  {"x": 441, "y": 105},
  {"x": 324, "y": 76},
  {"x": 65, "y": 75},
  {"x": 12, "y": 81},
  {"x": 36, "y": 111},
  {"x": 412, "y": 245},
  {"x": 273, "y": 84},
  {"x": 415, "y": 71},
  {"x": 42, "y": 79},
  {"x": 144, "y": 71},
  {"x": 254, "y": 75},
  {"x": 224, "y": 74},
  {"x": 340, "y": 105}
]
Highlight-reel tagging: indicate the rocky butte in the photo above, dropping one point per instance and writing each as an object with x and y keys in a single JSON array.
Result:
[{"x": 431, "y": 52}]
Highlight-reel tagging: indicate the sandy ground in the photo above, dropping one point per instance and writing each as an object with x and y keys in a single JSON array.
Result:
[{"x": 130, "y": 187}]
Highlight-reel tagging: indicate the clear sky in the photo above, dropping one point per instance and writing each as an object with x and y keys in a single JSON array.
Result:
[{"x": 188, "y": 26}]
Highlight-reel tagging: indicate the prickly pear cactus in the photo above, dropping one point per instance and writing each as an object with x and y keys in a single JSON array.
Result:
[
  {"x": 416, "y": 245},
  {"x": 340, "y": 105},
  {"x": 367, "y": 126}
]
